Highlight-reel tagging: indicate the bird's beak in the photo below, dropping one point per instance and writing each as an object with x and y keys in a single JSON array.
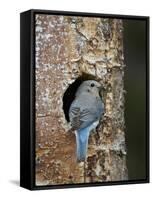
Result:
[
  {"x": 100, "y": 87},
  {"x": 100, "y": 90}
]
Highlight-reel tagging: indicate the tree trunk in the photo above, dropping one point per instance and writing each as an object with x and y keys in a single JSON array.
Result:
[{"x": 68, "y": 48}]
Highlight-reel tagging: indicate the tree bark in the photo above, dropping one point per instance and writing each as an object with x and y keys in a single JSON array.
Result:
[{"x": 67, "y": 48}]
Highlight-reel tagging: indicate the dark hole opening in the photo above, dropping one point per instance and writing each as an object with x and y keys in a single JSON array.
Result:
[{"x": 69, "y": 94}]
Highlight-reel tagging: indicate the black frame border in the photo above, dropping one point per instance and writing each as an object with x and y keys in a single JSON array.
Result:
[{"x": 27, "y": 99}]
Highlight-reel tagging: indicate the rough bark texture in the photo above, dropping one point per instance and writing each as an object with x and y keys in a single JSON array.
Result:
[{"x": 66, "y": 48}]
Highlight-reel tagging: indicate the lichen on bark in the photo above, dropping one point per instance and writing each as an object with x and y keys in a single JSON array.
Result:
[{"x": 66, "y": 48}]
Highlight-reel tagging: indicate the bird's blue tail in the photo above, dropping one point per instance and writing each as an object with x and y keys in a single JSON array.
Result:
[{"x": 82, "y": 136}]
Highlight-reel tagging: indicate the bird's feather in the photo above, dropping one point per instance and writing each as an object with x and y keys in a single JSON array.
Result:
[
  {"x": 82, "y": 143},
  {"x": 79, "y": 118}
]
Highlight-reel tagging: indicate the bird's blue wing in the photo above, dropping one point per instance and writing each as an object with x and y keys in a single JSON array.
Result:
[
  {"x": 80, "y": 118},
  {"x": 85, "y": 110}
]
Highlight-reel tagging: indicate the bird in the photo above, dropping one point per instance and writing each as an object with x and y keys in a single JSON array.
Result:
[{"x": 84, "y": 113}]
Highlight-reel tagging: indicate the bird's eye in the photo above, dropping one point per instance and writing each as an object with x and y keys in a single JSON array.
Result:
[{"x": 92, "y": 85}]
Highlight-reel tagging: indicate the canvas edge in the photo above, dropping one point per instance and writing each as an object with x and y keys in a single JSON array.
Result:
[{"x": 29, "y": 96}]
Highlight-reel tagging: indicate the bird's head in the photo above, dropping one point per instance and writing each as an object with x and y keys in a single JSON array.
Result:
[{"x": 90, "y": 86}]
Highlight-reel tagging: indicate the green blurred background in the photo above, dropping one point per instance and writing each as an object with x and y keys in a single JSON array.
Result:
[{"x": 135, "y": 107}]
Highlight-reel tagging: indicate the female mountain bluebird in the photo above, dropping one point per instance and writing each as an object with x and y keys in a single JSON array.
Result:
[{"x": 84, "y": 113}]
